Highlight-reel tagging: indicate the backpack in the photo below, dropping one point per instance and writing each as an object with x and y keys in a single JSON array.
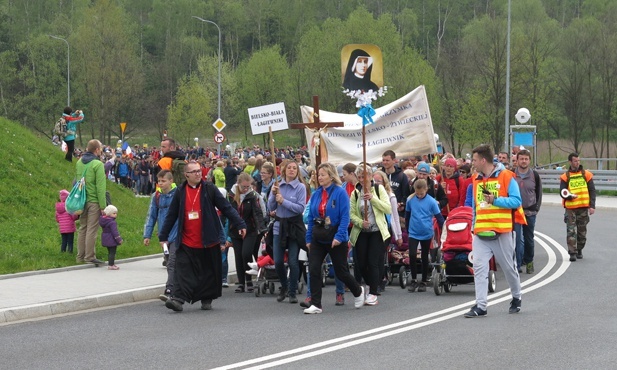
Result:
[
  {"x": 177, "y": 170},
  {"x": 458, "y": 226},
  {"x": 60, "y": 128}
]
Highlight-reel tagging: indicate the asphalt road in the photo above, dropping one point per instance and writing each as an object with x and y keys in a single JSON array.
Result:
[{"x": 566, "y": 322}]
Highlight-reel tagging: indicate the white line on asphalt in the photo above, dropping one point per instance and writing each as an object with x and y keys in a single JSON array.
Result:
[{"x": 411, "y": 324}]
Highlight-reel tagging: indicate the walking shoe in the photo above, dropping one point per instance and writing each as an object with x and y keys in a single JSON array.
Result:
[
  {"x": 225, "y": 284},
  {"x": 371, "y": 300},
  {"x": 515, "y": 305},
  {"x": 579, "y": 255},
  {"x": 240, "y": 289},
  {"x": 312, "y": 310},
  {"x": 253, "y": 265},
  {"x": 359, "y": 300},
  {"x": 306, "y": 303},
  {"x": 282, "y": 295},
  {"x": 252, "y": 272},
  {"x": 530, "y": 269},
  {"x": 172, "y": 304},
  {"x": 113, "y": 267},
  {"x": 413, "y": 285},
  {"x": 475, "y": 312},
  {"x": 573, "y": 257},
  {"x": 206, "y": 304},
  {"x": 422, "y": 286},
  {"x": 166, "y": 295},
  {"x": 249, "y": 287},
  {"x": 293, "y": 299},
  {"x": 340, "y": 299}
]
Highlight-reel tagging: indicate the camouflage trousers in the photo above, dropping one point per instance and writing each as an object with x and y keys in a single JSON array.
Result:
[{"x": 576, "y": 229}]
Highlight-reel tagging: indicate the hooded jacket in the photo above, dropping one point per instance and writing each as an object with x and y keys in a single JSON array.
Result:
[
  {"x": 159, "y": 206},
  {"x": 96, "y": 182},
  {"x": 110, "y": 236},
  {"x": 66, "y": 221},
  {"x": 71, "y": 124}
]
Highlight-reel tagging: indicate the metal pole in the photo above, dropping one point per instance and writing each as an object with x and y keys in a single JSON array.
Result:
[
  {"x": 507, "y": 130},
  {"x": 219, "y": 29},
  {"x": 68, "y": 69}
]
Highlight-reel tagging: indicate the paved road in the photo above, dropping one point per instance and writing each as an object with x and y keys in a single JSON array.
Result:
[{"x": 566, "y": 322}]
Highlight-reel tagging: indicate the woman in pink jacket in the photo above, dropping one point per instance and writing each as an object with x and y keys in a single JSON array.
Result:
[{"x": 66, "y": 223}]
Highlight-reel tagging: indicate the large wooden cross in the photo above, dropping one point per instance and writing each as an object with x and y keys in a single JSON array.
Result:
[{"x": 317, "y": 126}]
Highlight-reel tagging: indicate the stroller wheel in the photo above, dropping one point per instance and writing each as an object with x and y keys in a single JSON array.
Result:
[
  {"x": 492, "y": 283},
  {"x": 437, "y": 286},
  {"x": 389, "y": 275},
  {"x": 257, "y": 291},
  {"x": 447, "y": 286},
  {"x": 402, "y": 277},
  {"x": 272, "y": 288},
  {"x": 300, "y": 287}
]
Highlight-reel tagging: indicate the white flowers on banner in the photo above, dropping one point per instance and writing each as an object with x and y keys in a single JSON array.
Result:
[{"x": 365, "y": 98}]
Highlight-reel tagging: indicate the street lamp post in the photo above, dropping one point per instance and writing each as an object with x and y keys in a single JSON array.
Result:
[
  {"x": 507, "y": 124},
  {"x": 68, "y": 69},
  {"x": 217, "y": 26}
]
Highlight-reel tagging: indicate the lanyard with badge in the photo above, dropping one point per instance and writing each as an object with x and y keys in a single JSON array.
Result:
[{"x": 194, "y": 215}]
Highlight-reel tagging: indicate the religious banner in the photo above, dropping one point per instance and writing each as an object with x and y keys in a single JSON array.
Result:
[
  {"x": 403, "y": 126},
  {"x": 265, "y": 116}
]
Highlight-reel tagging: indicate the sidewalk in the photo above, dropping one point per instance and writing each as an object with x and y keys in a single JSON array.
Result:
[{"x": 37, "y": 294}]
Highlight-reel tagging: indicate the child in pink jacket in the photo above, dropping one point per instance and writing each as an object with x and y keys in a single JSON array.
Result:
[{"x": 66, "y": 223}]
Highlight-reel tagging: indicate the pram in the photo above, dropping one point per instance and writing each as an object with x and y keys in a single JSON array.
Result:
[
  {"x": 267, "y": 276},
  {"x": 455, "y": 262}
]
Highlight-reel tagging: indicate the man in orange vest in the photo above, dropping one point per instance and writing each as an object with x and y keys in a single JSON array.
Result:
[
  {"x": 496, "y": 201},
  {"x": 579, "y": 199}
]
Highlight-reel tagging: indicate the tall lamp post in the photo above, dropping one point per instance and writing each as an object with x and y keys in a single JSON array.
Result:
[
  {"x": 507, "y": 130},
  {"x": 217, "y": 26},
  {"x": 68, "y": 69}
]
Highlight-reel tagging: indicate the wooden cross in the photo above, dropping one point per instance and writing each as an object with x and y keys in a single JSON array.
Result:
[{"x": 318, "y": 127}]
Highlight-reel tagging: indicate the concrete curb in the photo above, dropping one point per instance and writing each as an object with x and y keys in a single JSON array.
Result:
[{"x": 79, "y": 304}]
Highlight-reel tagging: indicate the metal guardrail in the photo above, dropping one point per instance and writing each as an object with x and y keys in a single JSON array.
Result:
[{"x": 602, "y": 179}]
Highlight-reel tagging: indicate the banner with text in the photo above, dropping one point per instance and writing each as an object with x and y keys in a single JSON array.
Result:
[
  {"x": 268, "y": 115},
  {"x": 403, "y": 126}
]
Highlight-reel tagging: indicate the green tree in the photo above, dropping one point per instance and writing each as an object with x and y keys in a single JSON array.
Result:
[{"x": 190, "y": 112}]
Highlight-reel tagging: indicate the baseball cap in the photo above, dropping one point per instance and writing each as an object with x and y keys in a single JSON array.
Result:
[
  {"x": 423, "y": 167},
  {"x": 339, "y": 169}
]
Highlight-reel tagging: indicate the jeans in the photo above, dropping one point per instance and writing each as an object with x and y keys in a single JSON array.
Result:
[
  {"x": 292, "y": 260},
  {"x": 225, "y": 264},
  {"x": 171, "y": 265},
  {"x": 525, "y": 244}
]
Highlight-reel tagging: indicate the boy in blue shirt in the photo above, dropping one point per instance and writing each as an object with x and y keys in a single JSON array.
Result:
[{"x": 419, "y": 212}]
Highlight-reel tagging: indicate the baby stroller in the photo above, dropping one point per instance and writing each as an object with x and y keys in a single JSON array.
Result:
[
  {"x": 399, "y": 256},
  {"x": 455, "y": 263},
  {"x": 266, "y": 275}
]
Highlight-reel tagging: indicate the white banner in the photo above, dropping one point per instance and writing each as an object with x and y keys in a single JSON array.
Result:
[
  {"x": 403, "y": 126},
  {"x": 271, "y": 115}
]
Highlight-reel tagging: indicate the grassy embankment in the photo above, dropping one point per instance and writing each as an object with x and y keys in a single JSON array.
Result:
[{"x": 33, "y": 172}]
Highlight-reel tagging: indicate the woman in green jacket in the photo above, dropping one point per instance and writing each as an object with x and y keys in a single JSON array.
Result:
[{"x": 370, "y": 229}]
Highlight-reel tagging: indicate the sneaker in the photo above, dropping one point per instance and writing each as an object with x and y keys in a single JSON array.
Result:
[
  {"x": 573, "y": 257},
  {"x": 225, "y": 284},
  {"x": 253, "y": 265},
  {"x": 206, "y": 304},
  {"x": 579, "y": 255},
  {"x": 166, "y": 295},
  {"x": 371, "y": 300},
  {"x": 359, "y": 300},
  {"x": 340, "y": 299},
  {"x": 282, "y": 295},
  {"x": 422, "y": 286},
  {"x": 312, "y": 310},
  {"x": 240, "y": 289},
  {"x": 113, "y": 267},
  {"x": 515, "y": 305},
  {"x": 306, "y": 303},
  {"x": 529, "y": 268},
  {"x": 252, "y": 272},
  {"x": 293, "y": 299},
  {"x": 172, "y": 304},
  {"x": 475, "y": 312},
  {"x": 413, "y": 285}
]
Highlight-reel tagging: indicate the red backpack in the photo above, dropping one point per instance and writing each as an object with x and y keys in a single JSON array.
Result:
[{"x": 458, "y": 226}]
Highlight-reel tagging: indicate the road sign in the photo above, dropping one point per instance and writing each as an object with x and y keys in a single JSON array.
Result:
[
  {"x": 219, "y": 137},
  {"x": 219, "y": 125}
]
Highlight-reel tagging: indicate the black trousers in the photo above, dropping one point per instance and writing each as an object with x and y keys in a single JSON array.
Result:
[
  {"x": 111, "y": 259},
  {"x": 338, "y": 254},
  {"x": 368, "y": 256},
  {"x": 426, "y": 247},
  {"x": 244, "y": 252},
  {"x": 70, "y": 147},
  {"x": 67, "y": 242}
]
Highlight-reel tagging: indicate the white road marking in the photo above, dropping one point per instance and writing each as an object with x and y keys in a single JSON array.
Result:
[{"x": 411, "y": 324}]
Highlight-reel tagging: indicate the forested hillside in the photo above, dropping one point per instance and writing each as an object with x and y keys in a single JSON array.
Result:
[{"x": 151, "y": 64}]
